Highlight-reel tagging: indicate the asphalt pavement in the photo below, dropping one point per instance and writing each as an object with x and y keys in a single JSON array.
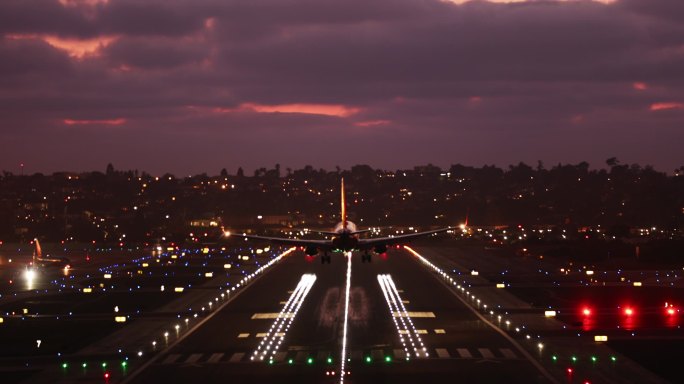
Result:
[{"x": 458, "y": 346}]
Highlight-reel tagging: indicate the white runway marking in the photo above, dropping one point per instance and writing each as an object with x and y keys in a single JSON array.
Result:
[
  {"x": 486, "y": 353},
  {"x": 171, "y": 359},
  {"x": 398, "y": 311},
  {"x": 343, "y": 354},
  {"x": 215, "y": 357},
  {"x": 268, "y": 347}
]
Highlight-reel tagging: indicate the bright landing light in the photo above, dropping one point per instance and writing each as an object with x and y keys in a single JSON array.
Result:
[
  {"x": 276, "y": 334},
  {"x": 398, "y": 310},
  {"x": 343, "y": 354},
  {"x": 29, "y": 275}
]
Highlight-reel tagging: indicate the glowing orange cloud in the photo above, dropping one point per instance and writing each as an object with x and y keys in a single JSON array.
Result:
[
  {"x": 639, "y": 86},
  {"x": 76, "y": 48},
  {"x": 79, "y": 48},
  {"x": 308, "y": 109},
  {"x": 119, "y": 121},
  {"x": 525, "y": 1},
  {"x": 371, "y": 123},
  {"x": 76, "y": 3},
  {"x": 666, "y": 106}
]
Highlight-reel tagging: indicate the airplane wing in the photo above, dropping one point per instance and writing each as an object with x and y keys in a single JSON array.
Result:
[
  {"x": 391, "y": 240},
  {"x": 320, "y": 244}
]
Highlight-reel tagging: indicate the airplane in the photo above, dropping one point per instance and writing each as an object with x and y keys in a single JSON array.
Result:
[
  {"x": 47, "y": 261},
  {"x": 345, "y": 238}
]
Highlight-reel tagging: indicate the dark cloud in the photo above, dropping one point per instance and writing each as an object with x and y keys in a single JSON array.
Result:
[
  {"x": 154, "y": 53},
  {"x": 430, "y": 81}
]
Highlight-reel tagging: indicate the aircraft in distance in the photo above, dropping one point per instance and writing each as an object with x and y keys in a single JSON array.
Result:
[
  {"x": 47, "y": 261},
  {"x": 345, "y": 238}
]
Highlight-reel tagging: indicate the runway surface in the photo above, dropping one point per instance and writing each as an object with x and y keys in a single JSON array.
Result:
[{"x": 459, "y": 346}]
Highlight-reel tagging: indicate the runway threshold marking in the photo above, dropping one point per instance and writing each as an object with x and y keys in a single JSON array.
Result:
[
  {"x": 215, "y": 357},
  {"x": 265, "y": 334},
  {"x": 243, "y": 335},
  {"x": 418, "y": 331},
  {"x": 440, "y": 331},
  {"x": 507, "y": 353},
  {"x": 486, "y": 353},
  {"x": 193, "y": 358},
  {"x": 414, "y": 314},
  {"x": 237, "y": 356},
  {"x": 171, "y": 359},
  {"x": 442, "y": 353},
  {"x": 272, "y": 315},
  {"x": 464, "y": 353}
]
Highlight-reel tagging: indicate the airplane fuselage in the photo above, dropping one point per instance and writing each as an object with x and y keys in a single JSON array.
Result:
[{"x": 345, "y": 239}]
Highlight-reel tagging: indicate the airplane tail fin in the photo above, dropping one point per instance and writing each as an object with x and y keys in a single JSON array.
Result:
[
  {"x": 344, "y": 206},
  {"x": 37, "y": 252}
]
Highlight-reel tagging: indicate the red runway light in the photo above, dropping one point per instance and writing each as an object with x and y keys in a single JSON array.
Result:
[
  {"x": 569, "y": 371},
  {"x": 586, "y": 311},
  {"x": 629, "y": 311}
]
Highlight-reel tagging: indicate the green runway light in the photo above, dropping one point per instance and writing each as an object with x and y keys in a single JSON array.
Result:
[
  {"x": 388, "y": 359},
  {"x": 124, "y": 364},
  {"x": 574, "y": 359},
  {"x": 593, "y": 359},
  {"x": 84, "y": 365},
  {"x": 368, "y": 359},
  {"x": 270, "y": 362},
  {"x": 309, "y": 360},
  {"x": 613, "y": 359},
  {"x": 290, "y": 361},
  {"x": 330, "y": 360},
  {"x": 554, "y": 358},
  {"x": 65, "y": 365},
  {"x": 104, "y": 365}
]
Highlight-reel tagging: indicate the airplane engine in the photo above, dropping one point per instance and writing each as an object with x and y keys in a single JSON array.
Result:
[
  {"x": 311, "y": 251},
  {"x": 380, "y": 249}
]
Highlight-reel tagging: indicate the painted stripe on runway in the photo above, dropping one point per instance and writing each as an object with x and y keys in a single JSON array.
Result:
[
  {"x": 405, "y": 301},
  {"x": 486, "y": 353},
  {"x": 301, "y": 356},
  {"x": 414, "y": 314},
  {"x": 193, "y": 358},
  {"x": 279, "y": 356},
  {"x": 243, "y": 335},
  {"x": 440, "y": 331},
  {"x": 271, "y": 315},
  {"x": 357, "y": 355},
  {"x": 399, "y": 354},
  {"x": 237, "y": 356},
  {"x": 418, "y": 331},
  {"x": 464, "y": 353},
  {"x": 171, "y": 359},
  {"x": 508, "y": 354},
  {"x": 264, "y": 334},
  {"x": 442, "y": 353},
  {"x": 215, "y": 357}
]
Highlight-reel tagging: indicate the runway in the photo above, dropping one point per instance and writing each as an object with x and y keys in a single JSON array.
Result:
[{"x": 458, "y": 346}]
